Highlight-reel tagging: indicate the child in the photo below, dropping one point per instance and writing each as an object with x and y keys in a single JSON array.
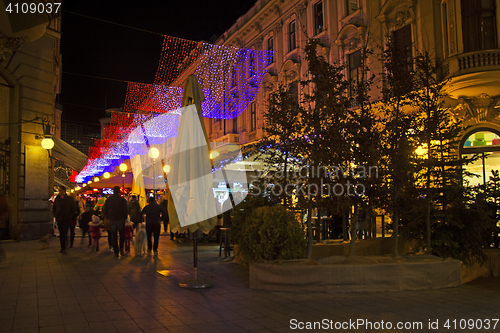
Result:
[
  {"x": 85, "y": 219},
  {"x": 95, "y": 229},
  {"x": 129, "y": 232}
]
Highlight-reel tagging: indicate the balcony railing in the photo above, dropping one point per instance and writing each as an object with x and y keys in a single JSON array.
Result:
[
  {"x": 226, "y": 139},
  {"x": 472, "y": 62}
]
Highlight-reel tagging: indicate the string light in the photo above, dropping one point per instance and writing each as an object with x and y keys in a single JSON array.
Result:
[{"x": 229, "y": 78}]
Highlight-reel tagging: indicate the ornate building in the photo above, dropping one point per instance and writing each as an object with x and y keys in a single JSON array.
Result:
[
  {"x": 30, "y": 69},
  {"x": 463, "y": 33}
]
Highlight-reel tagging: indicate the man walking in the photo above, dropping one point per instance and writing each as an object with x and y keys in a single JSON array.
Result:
[
  {"x": 64, "y": 210},
  {"x": 134, "y": 210},
  {"x": 154, "y": 214},
  {"x": 115, "y": 209}
]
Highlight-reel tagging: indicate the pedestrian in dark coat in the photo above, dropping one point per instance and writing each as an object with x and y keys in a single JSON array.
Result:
[
  {"x": 115, "y": 209},
  {"x": 64, "y": 210},
  {"x": 154, "y": 214},
  {"x": 134, "y": 211}
]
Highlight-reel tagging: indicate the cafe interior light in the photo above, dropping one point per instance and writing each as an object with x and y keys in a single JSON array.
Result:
[{"x": 421, "y": 150}]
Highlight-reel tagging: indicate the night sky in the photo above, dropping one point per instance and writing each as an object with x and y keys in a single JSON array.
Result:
[{"x": 94, "y": 48}]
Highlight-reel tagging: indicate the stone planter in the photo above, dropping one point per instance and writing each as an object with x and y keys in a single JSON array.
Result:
[
  {"x": 357, "y": 274},
  {"x": 237, "y": 255}
]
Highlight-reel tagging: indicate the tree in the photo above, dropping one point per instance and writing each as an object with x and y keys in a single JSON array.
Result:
[
  {"x": 323, "y": 142},
  {"x": 278, "y": 149},
  {"x": 399, "y": 139}
]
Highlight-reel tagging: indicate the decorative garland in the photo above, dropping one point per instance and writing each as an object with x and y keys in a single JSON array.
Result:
[{"x": 229, "y": 77}]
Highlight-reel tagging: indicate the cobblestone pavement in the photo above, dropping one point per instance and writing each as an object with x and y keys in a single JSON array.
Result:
[{"x": 42, "y": 290}]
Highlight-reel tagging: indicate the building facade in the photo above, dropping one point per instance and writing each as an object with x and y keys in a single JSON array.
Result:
[
  {"x": 30, "y": 69},
  {"x": 462, "y": 33}
]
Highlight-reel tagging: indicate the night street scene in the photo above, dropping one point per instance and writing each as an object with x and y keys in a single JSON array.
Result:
[{"x": 250, "y": 166}]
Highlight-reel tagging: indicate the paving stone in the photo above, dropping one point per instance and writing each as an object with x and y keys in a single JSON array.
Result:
[{"x": 42, "y": 291}]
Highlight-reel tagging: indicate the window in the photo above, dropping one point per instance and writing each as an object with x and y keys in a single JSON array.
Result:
[
  {"x": 487, "y": 145},
  {"x": 403, "y": 46},
  {"x": 291, "y": 34},
  {"x": 253, "y": 117},
  {"x": 294, "y": 91},
  {"x": 354, "y": 71},
  {"x": 478, "y": 25},
  {"x": 318, "y": 17},
  {"x": 270, "y": 48},
  {"x": 351, "y": 6},
  {"x": 235, "y": 125}
]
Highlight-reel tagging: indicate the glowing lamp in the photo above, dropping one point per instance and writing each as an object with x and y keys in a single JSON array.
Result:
[
  {"x": 166, "y": 168},
  {"x": 123, "y": 167},
  {"x": 47, "y": 143},
  {"x": 154, "y": 152},
  {"x": 107, "y": 175},
  {"x": 96, "y": 179}
]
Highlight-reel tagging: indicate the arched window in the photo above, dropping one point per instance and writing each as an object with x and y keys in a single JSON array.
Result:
[{"x": 485, "y": 143}]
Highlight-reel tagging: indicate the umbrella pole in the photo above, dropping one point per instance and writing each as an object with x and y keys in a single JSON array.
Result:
[
  {"x": 195, "y": 256},
  {"x": 196, "y": 283}
]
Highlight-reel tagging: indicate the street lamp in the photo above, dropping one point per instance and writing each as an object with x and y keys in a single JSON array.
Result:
[
  {"x": 47, "y": 142},
  {"x": 154, "y": 153},
  {"x": 106, "y": 175},
  {"x": 123, "y": 168}
]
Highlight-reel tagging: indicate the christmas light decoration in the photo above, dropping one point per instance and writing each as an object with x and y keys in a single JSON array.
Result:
[{"x": 229, "y": 77}]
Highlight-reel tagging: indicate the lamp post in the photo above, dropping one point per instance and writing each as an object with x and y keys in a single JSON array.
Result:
[
  {"x": 123, "y": 168},
  {"x": 154, "y": 153},
  {"x": 47, "y": 142}
]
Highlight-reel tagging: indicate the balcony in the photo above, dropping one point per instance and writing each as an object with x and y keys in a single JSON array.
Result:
[
  {"x": 472, "y": 62},
  {"x": 226, "y": 139},
  {"x": 473, "y": 73}
]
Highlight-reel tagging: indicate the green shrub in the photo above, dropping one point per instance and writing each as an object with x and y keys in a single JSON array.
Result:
[{"x": 270, "y": 233}]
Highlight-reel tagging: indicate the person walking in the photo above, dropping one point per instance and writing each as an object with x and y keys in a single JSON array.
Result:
[
  {"x": 154, "y": 214},
  {"x": 115, "y": 209},
  {"x": 85, "y": 219},
  {"x": 165, "y": 218},
  {"x": 129, "y": 233},
  {"x": 134, "y": 211},
  {"x": 95, "y": 229},
  {"x": 72, "y": 223},
  {"x": 64, "y": 210}
]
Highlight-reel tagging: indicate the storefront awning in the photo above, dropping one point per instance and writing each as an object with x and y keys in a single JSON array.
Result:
[
  {"x": 68, "y": 154},
  {"x": 58, "y": 182}
]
